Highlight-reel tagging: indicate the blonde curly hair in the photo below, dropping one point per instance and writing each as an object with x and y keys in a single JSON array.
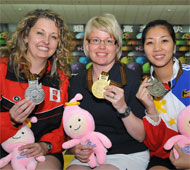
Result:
[{"x": 16, "y": 47}]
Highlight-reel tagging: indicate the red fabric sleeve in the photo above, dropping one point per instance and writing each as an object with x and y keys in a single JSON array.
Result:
[
  {"x": 156, "y": 137},
  {"x": 7, "y": 129},
  {"x": 56, "y": 138}
]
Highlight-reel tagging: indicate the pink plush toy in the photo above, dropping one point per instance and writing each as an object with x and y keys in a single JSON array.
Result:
[
  {"x": 183, "y": 140},
  {"x": 79, "y": 125},
  {"x": 22, "y": 137}
]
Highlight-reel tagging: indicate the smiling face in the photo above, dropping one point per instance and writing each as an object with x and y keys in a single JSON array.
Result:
[
  {"x": 101, "y": 54},
  {"x": 76, "y": 125},
  {"x": 42, "y": 39},
  {"x": 23, "y": 136},
  {"x": 159, "y": 46}
]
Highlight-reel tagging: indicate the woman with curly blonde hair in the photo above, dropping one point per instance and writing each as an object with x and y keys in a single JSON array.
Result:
[
  {"x": 17, "y": 47},
  {"x": 34, "y": 75}
]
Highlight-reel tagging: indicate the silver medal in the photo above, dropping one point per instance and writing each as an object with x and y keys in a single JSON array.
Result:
[
  {"x": 35, "y": 92},
  {"x": 157, "y": 89}
]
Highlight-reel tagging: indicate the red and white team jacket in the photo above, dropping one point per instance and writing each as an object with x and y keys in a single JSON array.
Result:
[
  {"x": 168, "y": 109},
  {"x": 49, "y": 113}
]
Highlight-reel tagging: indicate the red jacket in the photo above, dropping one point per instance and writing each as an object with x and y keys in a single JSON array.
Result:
[{"x": 49, "y": 113}]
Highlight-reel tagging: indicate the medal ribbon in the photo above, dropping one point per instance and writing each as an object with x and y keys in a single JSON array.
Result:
[
  {"x": 31, "y": 76},
  {"x": 178, "y": 75},
  {"x": 168, "y": 85},
  {"x": 123, "y": 77}
]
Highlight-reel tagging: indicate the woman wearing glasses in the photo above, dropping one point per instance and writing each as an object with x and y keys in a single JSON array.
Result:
[{"x": 109, "y": 88}]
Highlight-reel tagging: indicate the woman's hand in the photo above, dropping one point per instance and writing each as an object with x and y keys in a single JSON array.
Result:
[
  {"x": 21, "y": 110},
  {"x": 143, "y": 94},
  {"x": 34, "y": 149},
  {"x": 145, "y": 97},
  {"x": 133, "y": 125},
  {"x": 183, "y": 162},
  {"x": 82, "y": 152},
  {"x": 116, "y": 96}
]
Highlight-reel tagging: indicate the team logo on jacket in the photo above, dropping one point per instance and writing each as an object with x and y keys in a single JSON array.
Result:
[
  {"x": 185, "y": 93},
  {"x": 55, "y": 95},
  {"x": 16, "y": 98}
]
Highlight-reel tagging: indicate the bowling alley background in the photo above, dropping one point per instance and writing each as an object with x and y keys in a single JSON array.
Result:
[{"x": 132, "y": 50}]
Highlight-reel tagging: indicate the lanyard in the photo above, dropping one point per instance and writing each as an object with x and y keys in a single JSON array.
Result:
[
  {"x": 168, "y": 86},
  {"x": 178, "y": 75},
  {"x": 123, "y": 77},
  {"x": 31, "y": 76}
]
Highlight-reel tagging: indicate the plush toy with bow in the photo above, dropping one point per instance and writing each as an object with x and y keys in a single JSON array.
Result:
[
  {"x": 22, "y": 137},
  {"x": 79, "y": 125},
  {"x": 183, "y": 140}
]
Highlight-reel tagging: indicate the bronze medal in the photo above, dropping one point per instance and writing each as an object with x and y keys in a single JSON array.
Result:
[
  {"x": 98, "y": 86},
  {"x": 157, "y": 89}
]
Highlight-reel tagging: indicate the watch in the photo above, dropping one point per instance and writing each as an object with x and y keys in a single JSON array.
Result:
[
  {"x": 125, "y": 114},
  {"x": 49, "y": 146}
]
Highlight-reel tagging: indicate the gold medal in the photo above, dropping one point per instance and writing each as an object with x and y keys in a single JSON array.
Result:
[{"x": 98, "y": 86}]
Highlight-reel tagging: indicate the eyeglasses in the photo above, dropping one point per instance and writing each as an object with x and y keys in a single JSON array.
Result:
[{"x": 107, "y": 42}]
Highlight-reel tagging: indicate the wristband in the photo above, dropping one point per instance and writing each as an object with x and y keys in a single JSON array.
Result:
[
  {"x": 15, "y": 124},
  {"x": 151, "y": 116},
  {"x": 49, "y": 145}
]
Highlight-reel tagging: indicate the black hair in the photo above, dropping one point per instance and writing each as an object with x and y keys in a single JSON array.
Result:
[{"x": 157, "y": 23}]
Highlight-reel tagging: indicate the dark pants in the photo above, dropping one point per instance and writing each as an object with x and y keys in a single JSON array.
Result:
[{"x": 155, "y": 161}]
